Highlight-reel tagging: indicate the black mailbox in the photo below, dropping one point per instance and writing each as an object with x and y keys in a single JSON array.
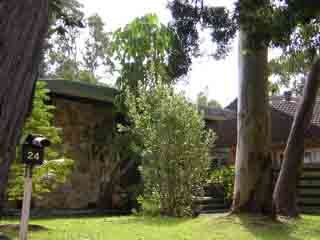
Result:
[{"x": 33, "y": 149}]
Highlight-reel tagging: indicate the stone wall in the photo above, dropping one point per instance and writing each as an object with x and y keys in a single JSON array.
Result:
[{"x": 80, "y": 122}]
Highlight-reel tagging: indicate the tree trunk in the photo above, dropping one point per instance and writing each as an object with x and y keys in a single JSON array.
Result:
[
  {"x": 253, "y": 180},
  {"x": 23, "y": 25},
  {"x": 285, "y": 193}
]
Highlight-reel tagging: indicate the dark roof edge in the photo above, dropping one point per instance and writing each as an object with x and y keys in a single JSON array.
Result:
[{"x": 78, "y": 89}]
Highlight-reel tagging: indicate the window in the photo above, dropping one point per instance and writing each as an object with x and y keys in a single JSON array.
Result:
[
  {"x": 307, "y": 157},
  {"x": 316, "y": 157},
  {"x": 312, "y": 156}
]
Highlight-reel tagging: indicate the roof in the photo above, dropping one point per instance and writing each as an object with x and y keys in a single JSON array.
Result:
[
  {"x": 282, "y": 116},
  {"x": 290, "y": 107},
  {"x": 80, "y": 89},
  {"x": 216, "y": 113}
]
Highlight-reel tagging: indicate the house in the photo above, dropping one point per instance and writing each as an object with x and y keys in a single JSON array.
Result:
[
  {"x": 282, "y": 109},
  {"x": 86, "y": 114}
]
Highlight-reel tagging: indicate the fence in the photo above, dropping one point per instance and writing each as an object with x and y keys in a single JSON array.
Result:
[{"x": 308, "y": 189}]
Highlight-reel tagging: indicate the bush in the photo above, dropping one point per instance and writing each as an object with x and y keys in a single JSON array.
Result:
[
  {"x": 175, "y": 148},
  {"x": 224, "y": 177},
  {"x": 56, "y": 168}
]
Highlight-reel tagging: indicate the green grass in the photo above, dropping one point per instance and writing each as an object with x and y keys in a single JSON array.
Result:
[{"x": 218, "y": 227}]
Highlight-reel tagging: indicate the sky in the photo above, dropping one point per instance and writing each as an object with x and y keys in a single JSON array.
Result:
[{"x": 219, "y": 76}]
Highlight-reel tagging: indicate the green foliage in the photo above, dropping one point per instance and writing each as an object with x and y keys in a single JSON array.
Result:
[
  {"x": 150, "y": 205},
  {"x": 54, "y": 170},
  {"x": 86, "y": 76},
  {"x": 97, "y": 47},
  {"x": 214, "y": 104},
  {"x": 224, "y": 177},
  {"x": 63, "y": 58},
  {"x": 202, "y": 100},
  {"x": 290, "y": 69},
  {"x": 266, "y": 22},
  {"x": 175, "y": 147},
  {"x": 65, "y": 15},
  {"x": 147, "y": 51}
]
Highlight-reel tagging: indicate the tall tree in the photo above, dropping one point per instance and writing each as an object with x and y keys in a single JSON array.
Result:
[
  {"x": 262, "y": 24},
  {"x": 303, "y": 50},
  {"x": 285, "y": 194},
  {"x": 62, "y": 57},
  {"x": 98, "y": 49},
  {"x": 23, "y": 28},
  {"x": 253, "y": 179},
  {"x": 65, "y": 19},
  {"x": 253, "y": 188}
]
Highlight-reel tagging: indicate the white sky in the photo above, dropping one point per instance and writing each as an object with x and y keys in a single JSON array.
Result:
[{"x": 219, "y": 76}]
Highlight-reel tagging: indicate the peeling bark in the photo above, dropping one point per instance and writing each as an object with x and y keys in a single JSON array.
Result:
[
  {"x": 253, "y": 180},
  {"x": 23, "y": 25},
  {"x": 285, "y": 193}
]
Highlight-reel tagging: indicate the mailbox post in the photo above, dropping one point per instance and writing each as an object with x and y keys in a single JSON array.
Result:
[{"x": 32, "y": 154}]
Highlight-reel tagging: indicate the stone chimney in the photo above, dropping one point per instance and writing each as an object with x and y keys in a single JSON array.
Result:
[{"x": 287, "y": 95}]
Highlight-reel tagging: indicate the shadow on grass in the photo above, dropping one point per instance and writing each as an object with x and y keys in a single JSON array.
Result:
[
  {"x": 6, "y": 236},
  {"x": 113, "y": 219},
  {"x": 266, "y": 229},
  {"x": 149, "y": 221},
  {"x": 9, "y": 231},
  {"x": 55, "y": 217}
]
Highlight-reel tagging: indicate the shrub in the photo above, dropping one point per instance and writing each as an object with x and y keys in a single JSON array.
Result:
[
  {"x": 224, "y": 177},
  {"x": 54, "y": 171},
  {"x": 175, "y": 148}
]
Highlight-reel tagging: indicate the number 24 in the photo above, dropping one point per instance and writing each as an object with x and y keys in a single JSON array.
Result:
[{"x": 33, "y": 156}]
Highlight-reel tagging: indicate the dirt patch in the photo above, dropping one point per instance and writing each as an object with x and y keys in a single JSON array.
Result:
[{"x": 15, "y": 227}]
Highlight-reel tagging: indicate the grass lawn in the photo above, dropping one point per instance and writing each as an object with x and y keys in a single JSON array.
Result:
[{"x": 215, "y": 227}]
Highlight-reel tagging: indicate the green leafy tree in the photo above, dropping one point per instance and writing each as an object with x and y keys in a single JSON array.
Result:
[
  {"x": 148, "y": 51},
  {"x": 98, "y": 49},
  {"x": 65, "y": 20},
  {"x": 54, "y": 171},
  {"x": 214, "y": 104},
  {"x": 291, "y": 68},
  {"x": 175, "y": 148},
  {"x": 62, "y": 57},
  {"x": 203, "y": 101},
  {"x": 65, "y": 60}
]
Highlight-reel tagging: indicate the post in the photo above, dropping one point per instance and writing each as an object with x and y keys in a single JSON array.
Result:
[
  {"x": 23, "y": 234},
  {"x": 32, "y": 154}
]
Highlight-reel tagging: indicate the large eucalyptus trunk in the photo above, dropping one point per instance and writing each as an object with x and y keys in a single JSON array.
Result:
[
  {"x": 23, "y": 25},
  {"x": 253, "y": 180},
  {"x": 285, "y": 193}
]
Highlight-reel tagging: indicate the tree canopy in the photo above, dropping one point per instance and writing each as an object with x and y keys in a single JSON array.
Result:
[
  {"x": 64, "y": 58},
  {"x": 204, "y": 101},
  {"x": 148, "y": 51},
  {"x": 289, "y": 24}
]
